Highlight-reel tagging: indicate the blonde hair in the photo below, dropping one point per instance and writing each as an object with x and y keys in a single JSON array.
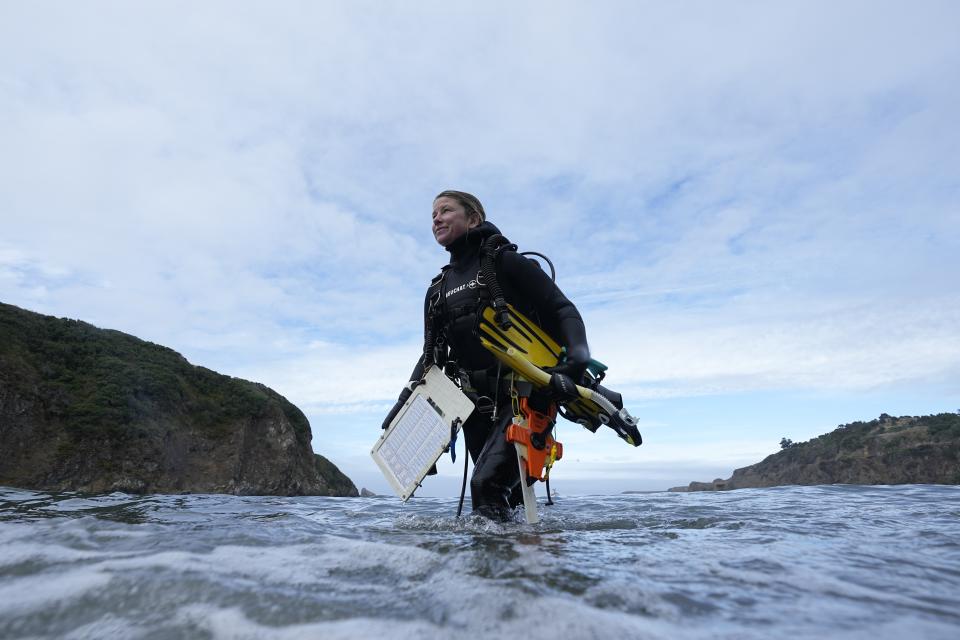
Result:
[{"x": 469, "y": 202}]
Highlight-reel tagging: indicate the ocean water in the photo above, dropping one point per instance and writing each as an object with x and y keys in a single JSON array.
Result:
[{"x": 798, "y": 562}]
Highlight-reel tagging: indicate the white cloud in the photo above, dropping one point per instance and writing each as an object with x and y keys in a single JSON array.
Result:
[{"x": 738, "y": 196}]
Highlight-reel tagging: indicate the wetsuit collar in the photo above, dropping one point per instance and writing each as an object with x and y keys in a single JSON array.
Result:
[{"x": 465, "y": 248}]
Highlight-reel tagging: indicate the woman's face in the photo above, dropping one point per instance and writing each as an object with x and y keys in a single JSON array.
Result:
[{"x": 450, "y": 220}]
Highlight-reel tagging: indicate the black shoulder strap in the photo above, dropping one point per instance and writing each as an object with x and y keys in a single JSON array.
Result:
[
  {"x": 435, "y": 290},
  {"x": 431, "y": 329}
]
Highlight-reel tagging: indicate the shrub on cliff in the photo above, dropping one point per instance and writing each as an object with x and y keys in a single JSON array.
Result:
[
  {"x": 95, "y": 409},
  {"x": 100, "y": 381}
]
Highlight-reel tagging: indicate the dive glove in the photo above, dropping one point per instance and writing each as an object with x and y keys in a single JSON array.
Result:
[
  {"x": 574, "y": 365},
  {"x": 404, "y": 396},
  {"x": 563, "y": 387},
  {"x": 565, "y": 376}
]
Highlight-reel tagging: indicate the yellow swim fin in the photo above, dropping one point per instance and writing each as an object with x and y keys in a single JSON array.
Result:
[
  {"x": 527, "y": 350},
  {"x": 529, "y": 340}
]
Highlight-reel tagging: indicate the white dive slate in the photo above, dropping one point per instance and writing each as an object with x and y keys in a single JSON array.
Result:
[{"x": 420, "y": 432}]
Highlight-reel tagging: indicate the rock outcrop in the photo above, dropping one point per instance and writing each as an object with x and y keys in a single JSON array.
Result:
[
  {"x": 888, "y": 450},
  {"x": 95, "y": 410}
]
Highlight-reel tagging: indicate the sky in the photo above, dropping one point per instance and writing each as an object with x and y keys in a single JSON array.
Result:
[{"x": 755, "y": 206}]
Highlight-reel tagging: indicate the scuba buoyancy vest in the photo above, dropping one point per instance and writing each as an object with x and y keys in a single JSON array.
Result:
[
  {"x": 457, "y": 296},
  {"x": 470, "y": 319}
]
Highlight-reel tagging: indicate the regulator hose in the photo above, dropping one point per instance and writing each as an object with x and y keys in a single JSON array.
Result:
[{"x": 491, "y": 249}]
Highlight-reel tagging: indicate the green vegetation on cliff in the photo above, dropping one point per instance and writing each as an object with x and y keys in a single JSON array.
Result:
[
  {"x": 102, "y": 383},
  {"x": 337, "y": 480},
  {"x": 902, "y": 447},
  {"x": 888, "y": 450},
  {"x": 83, "y": 407}
]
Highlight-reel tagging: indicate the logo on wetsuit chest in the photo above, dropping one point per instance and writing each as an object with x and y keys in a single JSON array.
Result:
[{"x": 473, "y": 284}]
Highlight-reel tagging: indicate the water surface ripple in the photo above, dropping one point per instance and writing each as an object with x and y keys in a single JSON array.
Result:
[{"x": 804, "y": 562}]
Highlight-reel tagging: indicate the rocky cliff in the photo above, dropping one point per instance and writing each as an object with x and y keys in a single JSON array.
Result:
[
  {"x": 888, "y": 450},
  {"x": 95, "y": 410}
]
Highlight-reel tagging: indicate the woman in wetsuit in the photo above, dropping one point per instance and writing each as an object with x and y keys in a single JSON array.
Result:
[{"x": 451, "y": 306}]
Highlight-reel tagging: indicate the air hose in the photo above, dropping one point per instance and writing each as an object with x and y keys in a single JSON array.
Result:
[
  {"x": 553, "y": 270},
  {"x": 492, "y": 247}
]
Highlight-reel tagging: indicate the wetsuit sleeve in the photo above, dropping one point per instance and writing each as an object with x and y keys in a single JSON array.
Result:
[
  {"x": 417, "y": 372},
  {"x": 415, "y": 375},
  {"x": 530, "y": 282}
]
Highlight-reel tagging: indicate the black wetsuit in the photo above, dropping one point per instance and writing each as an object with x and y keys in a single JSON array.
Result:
[{"x": 495, "y": 483}]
